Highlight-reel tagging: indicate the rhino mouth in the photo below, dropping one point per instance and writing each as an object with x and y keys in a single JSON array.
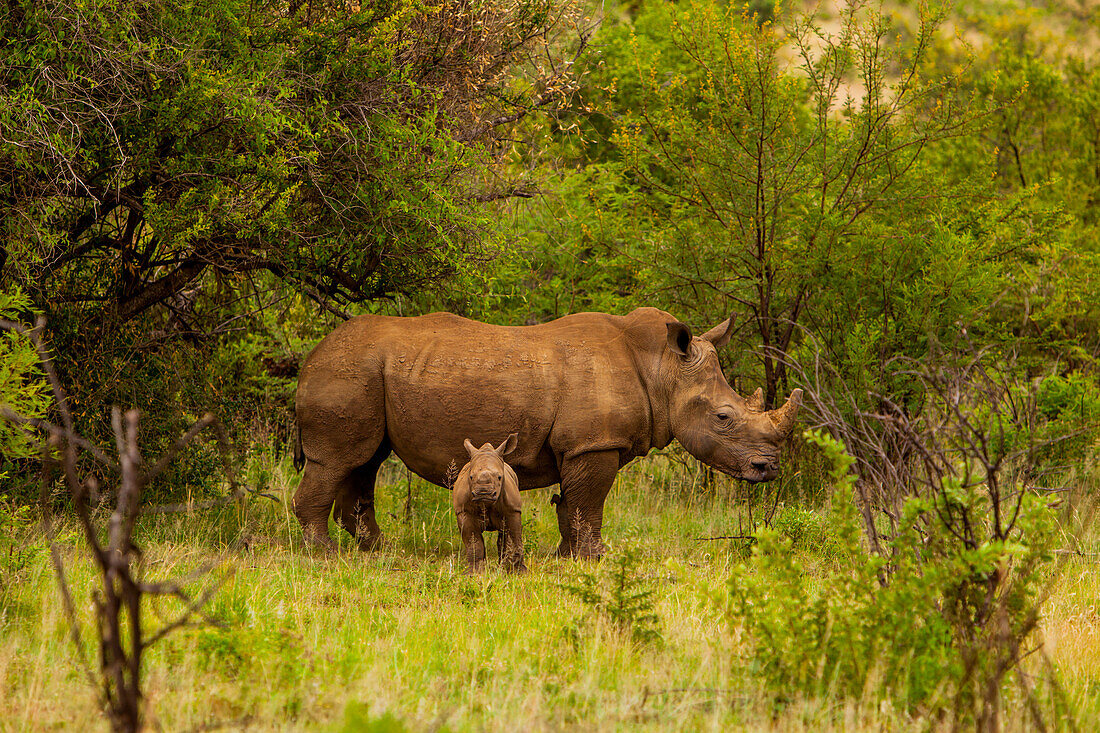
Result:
[
  {"x": 484, "y": 494},
  {"x": 752, "y": 475}
]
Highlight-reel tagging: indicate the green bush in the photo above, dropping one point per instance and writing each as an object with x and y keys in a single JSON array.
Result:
[
  {"x": 801, "y": 527},
  {"x": 1054, "y": 421},
  {"x": 358, "y": 719},
  {"x": 18, "y": 551},
  {"x": 22, "y": 387},
  {"x": 843, "y": 635},
  {"x": 617, "y": 593},
  {"x": 908, "y": 625},
  {"x": 1070, "y": 407}
]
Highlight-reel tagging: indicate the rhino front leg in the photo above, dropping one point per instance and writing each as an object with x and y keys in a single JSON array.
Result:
[
  {"x": 585, "y": 481},
  {"x": 472, "y": 542},
  {"x": 511, "y": 544}
]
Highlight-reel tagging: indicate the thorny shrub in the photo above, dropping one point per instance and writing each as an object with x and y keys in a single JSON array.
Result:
[
  {"x": 896, "y": 625},
  {"x": 616, "y": 593}
]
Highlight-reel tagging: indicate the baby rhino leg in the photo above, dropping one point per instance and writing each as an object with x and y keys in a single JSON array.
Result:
[
  {"x": 511, "y": 555},
  {"x": 470, "y": 530}
]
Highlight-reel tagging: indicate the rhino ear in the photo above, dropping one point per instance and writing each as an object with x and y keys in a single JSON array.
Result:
[
  {"x": 720, "y": 334},
  {"x": 756, "y": 401},
  {"x": 508, "y": 445},
  {"x": 679, "y": 338},
  {"x": 469, "y": 447}
]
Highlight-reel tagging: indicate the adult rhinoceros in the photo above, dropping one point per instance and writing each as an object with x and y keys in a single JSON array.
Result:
[{"x": 586, "y": 394}]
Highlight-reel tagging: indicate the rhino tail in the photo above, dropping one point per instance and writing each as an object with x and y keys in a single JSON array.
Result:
[{"x": 299, "y": 454}]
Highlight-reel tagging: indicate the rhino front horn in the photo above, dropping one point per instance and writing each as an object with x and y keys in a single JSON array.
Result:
[{"x": 783, "y": 417}]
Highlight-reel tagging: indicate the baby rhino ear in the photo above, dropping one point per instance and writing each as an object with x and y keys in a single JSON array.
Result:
[
  {"x": 469, "y": 447},
  {"x": 508, "y": 445}
]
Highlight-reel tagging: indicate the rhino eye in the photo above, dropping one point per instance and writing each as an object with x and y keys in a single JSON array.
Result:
[{"x": 723, "y": 416}]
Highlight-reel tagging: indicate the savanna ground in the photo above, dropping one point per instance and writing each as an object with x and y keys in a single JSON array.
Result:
[{"x": 403, "y": 639}]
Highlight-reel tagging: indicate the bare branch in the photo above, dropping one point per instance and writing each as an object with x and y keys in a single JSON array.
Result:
[
  {"x": 119, "y": 599},
  {"x": 181, "y": 443}
]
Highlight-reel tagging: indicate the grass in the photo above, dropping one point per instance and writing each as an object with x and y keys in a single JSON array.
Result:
[{"x": 403, "y": 638}]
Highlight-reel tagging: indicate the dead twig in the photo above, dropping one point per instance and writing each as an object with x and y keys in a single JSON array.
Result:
[{"x": 119, "y": 599}]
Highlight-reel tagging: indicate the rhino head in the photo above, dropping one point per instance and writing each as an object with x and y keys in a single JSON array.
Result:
[
  {"x": 487, "y": 469},
  {"x": 715, "y": 424}
]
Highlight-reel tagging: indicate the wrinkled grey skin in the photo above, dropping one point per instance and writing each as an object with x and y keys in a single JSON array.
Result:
[
  {"x": 486, "y": 498},
  {"x": 586, "y": 394}
]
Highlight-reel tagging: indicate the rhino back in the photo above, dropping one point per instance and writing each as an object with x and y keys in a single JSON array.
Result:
[{"x": 565, "y": 386}]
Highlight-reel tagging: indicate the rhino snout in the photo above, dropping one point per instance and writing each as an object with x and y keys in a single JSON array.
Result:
[
  {"x": 755, "y": 470},
  {"x": 761, "y": 469},
  {"x": 485, "y": 492}
]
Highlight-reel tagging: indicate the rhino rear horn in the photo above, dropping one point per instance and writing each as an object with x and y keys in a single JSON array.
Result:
[
  {"x": 783, "y": 417},
  {"x": 720, "y": 334},
  {"x": 756, "y": 401}
]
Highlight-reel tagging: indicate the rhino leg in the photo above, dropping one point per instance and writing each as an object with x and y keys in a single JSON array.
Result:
[
  {"x": 510, "y": 545},
  {"x": 341, "y": 434},
  {"x": 585, "y": 481},
  {"x": 355, "y": 502},
  {"x": 473, "y": 543},
  {"x": 313, "y": 502}
]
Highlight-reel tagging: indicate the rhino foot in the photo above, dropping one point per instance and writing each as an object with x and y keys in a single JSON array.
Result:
[
  {"x": 371, "y": 543},
  {"x": 318, "y": 541},
  {"x": 582, "y": 551}
]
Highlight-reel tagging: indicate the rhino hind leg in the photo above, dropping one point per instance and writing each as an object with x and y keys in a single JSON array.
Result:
[
  {"x": 342, "y": 431},
  {"x": 355, "y": 502},
  {"x": 586, "y": 480},
  {"x": 313, "y": 502}
]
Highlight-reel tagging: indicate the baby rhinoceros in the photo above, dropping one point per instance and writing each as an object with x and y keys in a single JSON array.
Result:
[{"x": 486, "y": 497}]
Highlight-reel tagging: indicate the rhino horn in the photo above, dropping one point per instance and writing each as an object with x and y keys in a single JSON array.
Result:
[
  {"x": 783, "y": 417},
  {"x": 756, "y": 401},
  {"x": 720, "y": 334}
]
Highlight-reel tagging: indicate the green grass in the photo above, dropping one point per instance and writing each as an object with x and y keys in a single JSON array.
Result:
[{"x": 403, "y": 638}]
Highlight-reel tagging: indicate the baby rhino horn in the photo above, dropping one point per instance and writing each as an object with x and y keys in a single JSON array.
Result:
[{"x": 783, "y": 417}]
